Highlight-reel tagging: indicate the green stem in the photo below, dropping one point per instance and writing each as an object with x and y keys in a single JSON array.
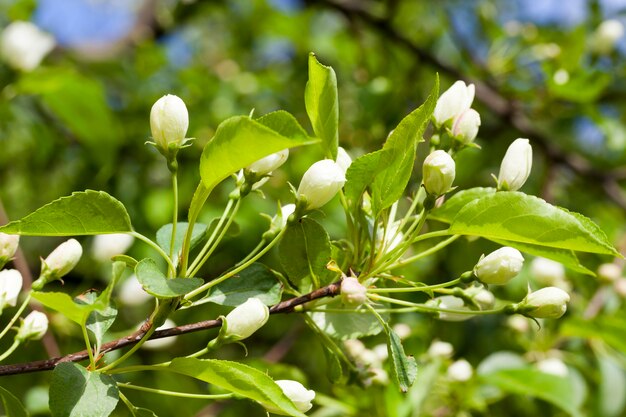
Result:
[
  {"x": 197, "y": 202},
  {"x": 210, "y": 247},
  {"x": 235, "y": 271},
  {"x": 156, "y": 248},
  {"x": 132, "y": 350},
  {"x": 425, "y": 308},
  {"x": 415, "y": 289},
  {"x": 138, "y": 368},
  {"x": 430, "y": 235},
  {"x": 175, "y": 212},
  {"x": 376, "y": 314},
  {"x": 252, "y": 253},
  {"x": 92, "y": 361},
  {"x": 425, "y": 253},
  {"x": 17, "y": 315},
  {"x": 174, "y": 393},
  {"x": 10, "y": 350},
  {"x": 128, "y": 404}
]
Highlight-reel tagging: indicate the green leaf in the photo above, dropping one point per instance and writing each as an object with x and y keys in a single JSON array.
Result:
[
  {"x": 304, "y": 253},
  {"x": 446, "y": 212},
  {"x": 361, "y": 174},
  {"x": 155, "y": 283},
  {"x": 164, "y": 235},
  {"x": 608, "y": 329},
  {"x": 345, "y": 326},
  {"x": 554, "y": 389},
  {"x": 518, "y": 217},
  {"x": 612, "y": 390},
  {"x": 255, "y": 281},
  {"x": 322, "y": 105},
  {"x": 396, "y": 164},
  {"x": 12, "y": 406},
  {"x": 283, "y": 123},
  {"x": 76, "y": 392},
  {"x": 404, "y": 367},
  {"x": 100, "y": 320},
  {"x": 238, "y": 142},
  {"x": 83, "y": 213},
  {"x": 64, "y": 304},
  {"x": 238, "y": 378}
]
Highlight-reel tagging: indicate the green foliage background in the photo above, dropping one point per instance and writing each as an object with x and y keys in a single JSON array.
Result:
[{"x": 80, "y": 122}]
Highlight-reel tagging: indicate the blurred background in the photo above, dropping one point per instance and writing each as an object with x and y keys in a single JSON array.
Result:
[{"x": 74, "y": 115}]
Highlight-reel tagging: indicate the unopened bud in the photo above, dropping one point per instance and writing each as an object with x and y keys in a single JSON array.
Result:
[
  {"x": 246, "y": 319},
  {"x": 8, "y": 247},
  {"x": 343, "y": 159},
  {"x": 297, "y": 393},
  {"x": 10, "y": 287},
  {"x": 518, "y": 323},
  {"x": 131, "y": 292},
  {"x": 547, "y": 272},
  {"x": 620, "y": 287},
  {"x": 460, "y": 371},
  {"x": 169, "y": 121},
  {"x": 439, "y": 349},
  {"x": 546, "y": 303},
  {"x": 500, "y": 266},
  {"x": 606, "y": 36},
  {"x": 516, "y": 165},
  {"x": 105, "y": 247},
  {"x": 609, "y": 272},
  {"x": 439, "y": 170},
  {"x": 59, "y": 263},
  {"x": 33, "y": 327},
  {"x": 454, "y": 101},
  {"x": 450, "y": 302},
  {"x": 24, "y": 45},
  {"x": 320, "y": 183},
  {"x": 553, "y": 366},
  {"x": 465, "y": 126},
  {"x": 353, "y": 293},
  {"x": 270, "y": 163}
]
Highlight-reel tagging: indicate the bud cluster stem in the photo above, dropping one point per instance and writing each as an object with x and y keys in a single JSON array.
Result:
[{"x": 17, "y": 315}]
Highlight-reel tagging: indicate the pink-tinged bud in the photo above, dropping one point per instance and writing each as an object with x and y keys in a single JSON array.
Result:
[
  {"x": 546, "y": 303},
  {"x": 10, "y": 287},
  {"x": 453, "y": 102},
  {"x": 353, "y": 293},
  {"x": 500, "y": 266},
  {"x": 270, "y": 163},
  {"x": 246, "y": 319},
  {"x": 34, "y": 326},
  {"x": 320, "y": 183},
  {"x": 438, "y": 173},
  {"x": 24, "y": 45},
  {"x": 169, "y": 121},
  {"x": 297, "y": 393},
  {"x": 516, "y": 165},
  {"x": 465, "y": 126}
]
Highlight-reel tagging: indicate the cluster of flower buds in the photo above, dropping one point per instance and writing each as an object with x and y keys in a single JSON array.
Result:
[
  {"x": 454, "y": 111},
  {"x": 299, "y": 395},
  {"x": 59, "y": 263},
  {"x": 516, "y": 165},
  {"x": 370, "y": 361},
  {"x": 24, "y": 45},
  {"x": 244, "y": 320},
  {"x": 8, "y": 247}
]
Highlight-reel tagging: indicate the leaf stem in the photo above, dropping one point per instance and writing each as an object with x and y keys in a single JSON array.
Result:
[
  {"x": 157, "y": 248},
  {"x": 92, "y": 361},
  {"x": 10, "y": 350},
  {"x": 174, "y": 393},
  {"x": 416, "y": 288},
  {"x": 132, "y": 350},
  {"x": 175, "y": 213},
  {"x": 17, "y": 315}
]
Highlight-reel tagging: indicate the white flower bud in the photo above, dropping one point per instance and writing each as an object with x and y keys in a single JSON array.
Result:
[
  {"x": 439, "y": 349},
  {"x": 343, "y": 159},
  {"x": 465, "y": 126},
  {"x": 105, "y": 247},
  {"x": 620, "y": 287},
  {"x": 169, "y": 121},
  {"x": 320, "y": 183},
  {"x": 33, "y": 327},
  {"x": 164, "y": 342},
  {"x": 516, "y": 165},
  {"x": 63, "y": 259},
  {"x": 354, "y": 347},
  {"x": 392, "y": 237},
  {"x": 381, "y": 352},
  {"x": 353, "y": 293},
  {"x": 609, "y": 272},
  {"x": 297, "y": 393},
  {"x": 403, "y": 330},
  {"x": 270, "y": 163},
  {"x": 460, "y": 371},
  {"x": 8, "y": 247},
  {"x": 553, "y": 366},
  {"x": 485, "y": 299},
  {"x": 10, "y": 287},
  {"x": 453, "y": 102},
  {"x": 24, "y": 45},
  {"x": 450, "y": 302},
  {"x": 547, "y": 272},
  {"x": 606, "y": 36},
  {"x": 438, "y": 173},
  {"x": 518, "y": 323},
  {"x": 546, "y": 303},
  {"x": 500, "y": 266},
  {"x": 246, "y": 319},
  {"x": 131, "y": 293}
]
